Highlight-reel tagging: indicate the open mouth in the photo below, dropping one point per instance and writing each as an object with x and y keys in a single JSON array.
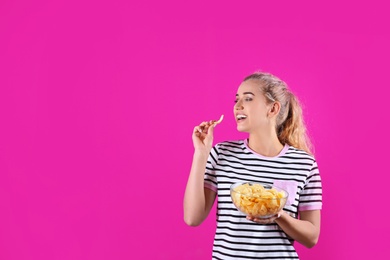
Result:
[{"x": 240, "y": 117}]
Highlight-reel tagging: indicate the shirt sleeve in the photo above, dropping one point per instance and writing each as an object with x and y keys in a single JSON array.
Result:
[
  {"x": 311, "y": 195},
  {"x": 210, "y": 179}
]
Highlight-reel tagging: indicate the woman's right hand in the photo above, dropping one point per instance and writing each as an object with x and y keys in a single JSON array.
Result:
[{"x": 202, "y": 136}]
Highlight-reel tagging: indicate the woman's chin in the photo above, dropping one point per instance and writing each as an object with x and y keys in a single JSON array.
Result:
[{"x": 242, "y": 129}]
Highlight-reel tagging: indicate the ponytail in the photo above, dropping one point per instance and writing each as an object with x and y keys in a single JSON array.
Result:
[{"x": 293, "y": 130}]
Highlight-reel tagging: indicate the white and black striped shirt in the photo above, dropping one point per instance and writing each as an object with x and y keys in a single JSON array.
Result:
[{"x": 293, "y": 169}]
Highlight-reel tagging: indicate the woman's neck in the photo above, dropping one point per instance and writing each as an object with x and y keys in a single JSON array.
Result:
[{"x": 265, "y": 144}]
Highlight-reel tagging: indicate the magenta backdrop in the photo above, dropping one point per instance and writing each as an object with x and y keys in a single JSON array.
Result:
[{"x": 98, "y": 100}]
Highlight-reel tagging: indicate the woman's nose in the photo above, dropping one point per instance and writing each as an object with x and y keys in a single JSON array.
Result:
[{"x": 238, "y": 105}]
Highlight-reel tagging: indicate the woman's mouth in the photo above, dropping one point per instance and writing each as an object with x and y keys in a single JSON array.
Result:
[{"x": 240, "y": 117}]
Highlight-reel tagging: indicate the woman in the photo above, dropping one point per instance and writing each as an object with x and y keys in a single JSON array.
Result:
[{"x": 276, "y": 152}]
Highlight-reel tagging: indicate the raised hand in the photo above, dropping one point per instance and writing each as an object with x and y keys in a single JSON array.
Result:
[{"x": 203, "y": 135}]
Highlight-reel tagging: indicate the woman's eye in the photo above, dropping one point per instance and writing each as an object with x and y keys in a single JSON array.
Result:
[{"x": 245, "y": 99}]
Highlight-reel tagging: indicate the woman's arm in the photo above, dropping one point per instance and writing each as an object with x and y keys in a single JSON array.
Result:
[
  {"x": 305, "y": 230},
  {"x": 199, "y": 200}
]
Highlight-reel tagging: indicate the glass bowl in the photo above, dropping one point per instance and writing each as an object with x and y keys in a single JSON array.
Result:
[{"x": 258, "y": 200}]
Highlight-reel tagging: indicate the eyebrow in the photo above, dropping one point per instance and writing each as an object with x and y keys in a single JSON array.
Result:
[{"x": 245, "y": 93}]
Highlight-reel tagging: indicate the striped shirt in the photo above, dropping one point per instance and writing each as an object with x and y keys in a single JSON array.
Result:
[{"x": 293, "y": 169}]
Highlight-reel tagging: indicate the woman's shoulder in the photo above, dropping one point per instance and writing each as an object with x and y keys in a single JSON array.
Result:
[
  {"x": 299, "y": 153},
  {"x": 231, "y": 145}
]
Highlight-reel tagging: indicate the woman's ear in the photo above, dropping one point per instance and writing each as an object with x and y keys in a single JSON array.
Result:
[{"x": 275, "y": 109}]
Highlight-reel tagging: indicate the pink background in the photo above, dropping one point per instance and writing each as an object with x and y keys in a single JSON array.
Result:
[{"x": 98, "y": 100}]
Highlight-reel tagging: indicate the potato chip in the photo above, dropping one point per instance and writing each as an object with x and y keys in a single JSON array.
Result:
[{"x": 219, "y": 121}]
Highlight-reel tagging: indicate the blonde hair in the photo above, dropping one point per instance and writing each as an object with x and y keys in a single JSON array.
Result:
[{"x": 290, "y": 126}]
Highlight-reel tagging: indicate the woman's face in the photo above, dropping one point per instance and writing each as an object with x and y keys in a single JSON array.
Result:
[{"x": 251, "y": 109}]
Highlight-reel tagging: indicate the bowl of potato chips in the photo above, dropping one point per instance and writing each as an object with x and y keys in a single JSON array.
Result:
[{"x": 258, "y": 200}]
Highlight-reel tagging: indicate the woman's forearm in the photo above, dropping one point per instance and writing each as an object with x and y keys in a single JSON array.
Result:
[
  {"x": 196, "y": 200},
  {"x": 306, "y": 230}
]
